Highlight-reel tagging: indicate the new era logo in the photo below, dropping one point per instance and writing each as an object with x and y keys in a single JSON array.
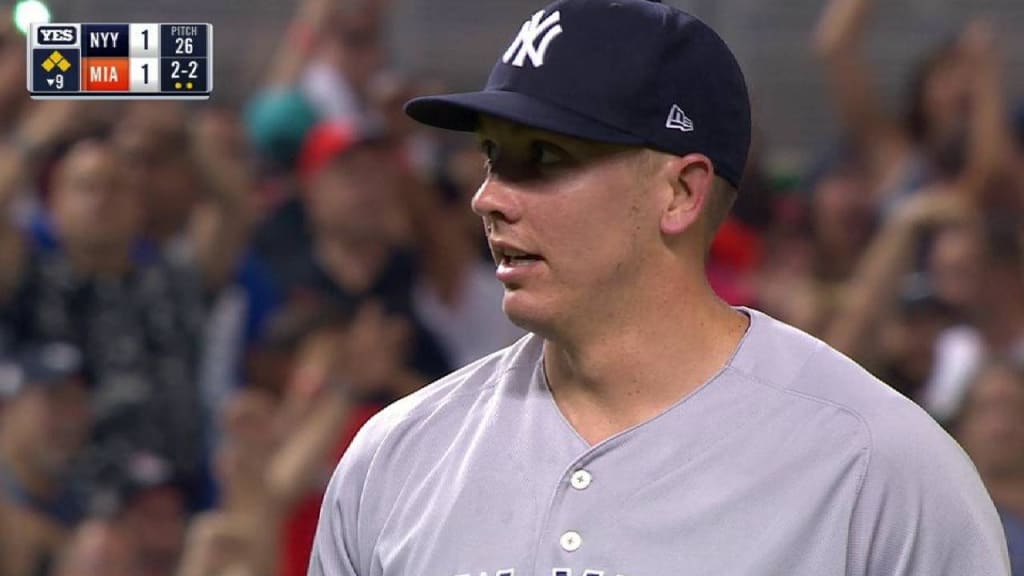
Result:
[
  {"x": 526, "y": 43},
  {"x": 678, "y": 120}
]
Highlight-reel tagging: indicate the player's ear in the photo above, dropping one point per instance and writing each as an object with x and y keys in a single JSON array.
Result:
[{"x": 691, "y": 180}]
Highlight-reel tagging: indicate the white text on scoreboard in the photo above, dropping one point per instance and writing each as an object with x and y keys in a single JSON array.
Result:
[{"x": 108, "y": 61}]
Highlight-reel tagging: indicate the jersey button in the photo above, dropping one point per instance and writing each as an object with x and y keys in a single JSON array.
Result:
[
  {"x": 571, "y": 541},
  {"x": 581, "y": 479}
]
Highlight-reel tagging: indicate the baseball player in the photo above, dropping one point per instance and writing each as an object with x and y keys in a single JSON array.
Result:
[{"x": 644, "y": 427}]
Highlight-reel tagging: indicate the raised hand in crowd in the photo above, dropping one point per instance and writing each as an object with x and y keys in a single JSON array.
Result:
[
  {"x": 241, "y": 533},
  {"x": 875, "y": 135},
  {"x": 223, "y": 220},
  {"x": 12, "y": 75},
  {"x": 276, "y": 452},
  {"x": 947, "y": 100},
  {"x": 223, "y": 544},
  {"x": 302, "y": 36},
  {"x": 44, "y": 126},
  {"x": 990, "y": 146},
  {"x": 99, "y": 548},
  {"x": 336, "y": 369},
  {"x": 25, "y": 538},
  {"x": 956, "y": 202},
  {"x": 888, "y": 260}
]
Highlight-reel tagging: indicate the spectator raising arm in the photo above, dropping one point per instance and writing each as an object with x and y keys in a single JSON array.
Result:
[
  {"x": 12, "y": 247},
  {"x": 887, "y": 261},
  {"x": 43, "y": 127},
  {"x": 298, "y": 42},
  {"x": 990, "y": 144},
  {"x": 13, "y": 102},
  {"x": 875, "y": 136},
  {"x": 361, "y": 362},
  {"x": 988, "y": 156},
  {"x": 222, "y": 223},
  {"x": 224, "y": 544}
]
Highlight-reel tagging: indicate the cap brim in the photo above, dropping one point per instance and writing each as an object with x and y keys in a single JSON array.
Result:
[{"x": 462, "y": 112}]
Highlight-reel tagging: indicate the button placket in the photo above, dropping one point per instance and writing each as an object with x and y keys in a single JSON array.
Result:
[{"x": 571, "y": 540}]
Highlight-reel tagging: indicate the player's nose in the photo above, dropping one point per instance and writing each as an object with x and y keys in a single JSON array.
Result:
[{"x": 497, "y": 200}]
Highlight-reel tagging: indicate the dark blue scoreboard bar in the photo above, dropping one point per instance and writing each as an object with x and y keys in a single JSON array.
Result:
[{"x": 108, "y": 61}]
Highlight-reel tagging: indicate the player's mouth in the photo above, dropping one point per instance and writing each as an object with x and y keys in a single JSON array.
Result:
[{"x": 513, "y": 263}]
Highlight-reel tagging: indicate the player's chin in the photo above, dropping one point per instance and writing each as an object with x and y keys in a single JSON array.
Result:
[{"x": 527, "y": 309}]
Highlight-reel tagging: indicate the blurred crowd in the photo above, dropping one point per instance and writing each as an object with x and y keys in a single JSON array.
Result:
[{"x": 201, "y": 304}]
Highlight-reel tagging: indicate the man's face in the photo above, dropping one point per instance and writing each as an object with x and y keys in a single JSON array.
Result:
[
  {"x": 569, "y": 223},
  {"x": 50, "y": 424},
  {"x": 155, "y": 147},
  {"x": 843, "y": 212},
  {"x": 156, "y": 518},
  {"x": 992, "y": 428},
  {"x": 953, "y": 264},
  {"x": 93, "y": 206},
  {"x": 909, "y": 340},
  {"x": 354, "y": 196}
]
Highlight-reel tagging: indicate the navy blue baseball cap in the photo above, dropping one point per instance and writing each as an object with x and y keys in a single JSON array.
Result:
[{"x": 633, "y": 72}]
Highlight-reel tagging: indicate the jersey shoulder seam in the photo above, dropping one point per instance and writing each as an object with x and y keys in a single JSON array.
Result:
[
  {"x": 448, "y": 399},
  {"x": 868, "y": 447}
]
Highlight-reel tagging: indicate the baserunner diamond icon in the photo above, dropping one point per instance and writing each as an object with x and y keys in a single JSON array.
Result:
[{"x": 56, "y": 59}]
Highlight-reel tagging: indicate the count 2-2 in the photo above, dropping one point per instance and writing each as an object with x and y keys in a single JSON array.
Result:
[{"x": 193, "y": 69}]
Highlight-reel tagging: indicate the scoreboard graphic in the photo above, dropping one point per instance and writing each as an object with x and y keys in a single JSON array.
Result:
[{"x": 114, "y": 61}]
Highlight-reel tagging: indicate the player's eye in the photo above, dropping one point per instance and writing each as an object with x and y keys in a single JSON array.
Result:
[
  {"x": 545, "y": 155},
  {"x": 525, "y": 160},
  {"x": 490, "y": 151}
]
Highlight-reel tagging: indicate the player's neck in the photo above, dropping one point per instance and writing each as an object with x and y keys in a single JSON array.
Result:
[{"x": 619, "y": 377}]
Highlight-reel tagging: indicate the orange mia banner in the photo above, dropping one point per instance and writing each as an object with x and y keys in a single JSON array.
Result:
[{"x": 105, "y": 74}]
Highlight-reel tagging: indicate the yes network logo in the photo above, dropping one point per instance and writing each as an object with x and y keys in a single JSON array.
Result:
[{"x": 56, "y": 35}]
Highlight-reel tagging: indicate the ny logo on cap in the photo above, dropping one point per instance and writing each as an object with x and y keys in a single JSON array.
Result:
[
  {"x": 678, "y": 120},
  {"x": 525, "y": 43}
]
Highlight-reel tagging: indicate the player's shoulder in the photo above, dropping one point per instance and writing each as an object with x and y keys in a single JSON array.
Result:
[
  {"x": 440, "y": 407},
  {"x": 911, "y": 466},
  {"x": 822, "y": 379}
]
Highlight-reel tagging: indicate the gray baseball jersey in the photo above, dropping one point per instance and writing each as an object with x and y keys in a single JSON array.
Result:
[{"x": 791, "y": 461}]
